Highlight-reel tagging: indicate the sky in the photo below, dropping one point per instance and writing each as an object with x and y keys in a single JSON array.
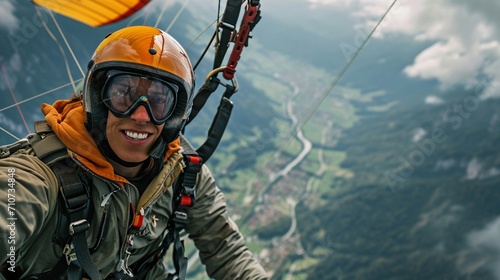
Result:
[{"x": 463, "y": 36}]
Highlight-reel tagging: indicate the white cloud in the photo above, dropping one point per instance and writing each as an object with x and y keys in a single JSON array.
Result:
[
  {"x": 474, "y": 167},
  {"x": 492, "y": 172},
  {"x": 464, "y": 34},
  {"x": 15, "y": 62},
  {"x": 445, "y": 164},
  {"x": 418, "y": 134},
  {"x": 486, "y": 238},
  {"x": 433, "y": 100},
  {"x": 487, "y": 242},
  {"x": 7, "y": 18}
]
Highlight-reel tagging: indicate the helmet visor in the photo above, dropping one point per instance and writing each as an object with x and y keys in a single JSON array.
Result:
[{"x": 124, "y": 92}]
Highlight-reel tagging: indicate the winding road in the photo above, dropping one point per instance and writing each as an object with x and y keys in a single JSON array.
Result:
[{"x": 306, "y": 148}]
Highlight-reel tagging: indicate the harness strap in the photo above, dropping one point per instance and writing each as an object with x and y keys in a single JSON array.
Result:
[
  {"x": 184, "y": 198},
  {"x": 217, "y": 129},
  {"x": 51, "y": 149},
  {"x": 202, "y": 96},
  {"x": 74, "y": 195},
  {"x": 228, "y": 31},
  {"x": 180, "y": 261},
  {"x": 222, "y": 116},
  {"x": 228, "y": 25}
]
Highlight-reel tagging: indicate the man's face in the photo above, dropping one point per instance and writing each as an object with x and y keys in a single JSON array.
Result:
[{"x": 132, "y": 137}]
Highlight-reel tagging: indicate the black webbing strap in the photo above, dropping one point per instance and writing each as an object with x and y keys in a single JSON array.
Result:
[
  {"x": 221, "y": 119},
  {"x": 183, "y": 200},
  {"x": 180, "y": 260},
  {"x": 228, "y": 25},
  {"x": 217, "y": 129},
  {"x": 202, "y": 96},
  {"x": 75, "y": 199}
]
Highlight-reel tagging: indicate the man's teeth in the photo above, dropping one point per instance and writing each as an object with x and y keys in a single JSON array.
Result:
[{"x": 136, "y": 136}]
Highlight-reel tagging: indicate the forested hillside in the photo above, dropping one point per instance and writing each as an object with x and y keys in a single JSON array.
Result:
[{"x": 423, "y": 201}]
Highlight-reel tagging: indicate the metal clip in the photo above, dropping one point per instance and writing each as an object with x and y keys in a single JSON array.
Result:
[
  {"x": 78, "y": 226},
  {"x": 214, "y": 72},
  {"x": 68, "y": 251},
  {"x": 106, "y": 197},
  {"x": 123, "y": 267},
  {"x": 180, "y": 217},
  {"x": 226, "y": 25},
  {"x": 9, "y": 149}
]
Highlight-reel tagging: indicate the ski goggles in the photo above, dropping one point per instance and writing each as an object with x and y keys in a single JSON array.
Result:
[{"x": 124, "y": 92}]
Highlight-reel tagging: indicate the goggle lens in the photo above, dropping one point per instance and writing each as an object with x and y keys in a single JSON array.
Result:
[{"x": 123, "y": 94}]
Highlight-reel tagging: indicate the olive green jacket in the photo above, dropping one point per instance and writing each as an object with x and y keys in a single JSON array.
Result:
[{"x": 29, "y": 214}]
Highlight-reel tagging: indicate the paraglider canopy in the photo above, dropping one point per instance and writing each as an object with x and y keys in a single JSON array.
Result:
[{"x": 94, "y": 12}]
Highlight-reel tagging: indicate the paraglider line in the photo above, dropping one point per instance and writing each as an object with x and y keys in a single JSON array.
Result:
[
  {"x": 67, "y": 44},
  {"x": 177, "y": 16},
  {"x": 15, "y": 100},
  {"x": 10, "y": 134},
  {"x": 345, "y": 68},
  {"x": 161, "y": 13},
  {"x": 38, "y": 95},
  {"x": 60, "y": 49}
]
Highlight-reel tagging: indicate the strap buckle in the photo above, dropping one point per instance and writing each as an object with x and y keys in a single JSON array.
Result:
[
  {"x": 193, "y": 166},
  {"x": 180, "y": 217},
  {"x": 180, "y": 220},
  {"x": 78, "y": 227}
]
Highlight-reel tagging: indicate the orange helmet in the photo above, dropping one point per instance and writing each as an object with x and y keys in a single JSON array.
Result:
[{"x": 149, "y": 53}]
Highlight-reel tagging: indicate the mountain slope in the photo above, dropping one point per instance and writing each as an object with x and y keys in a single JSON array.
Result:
[{"x": 414, "y": 210}]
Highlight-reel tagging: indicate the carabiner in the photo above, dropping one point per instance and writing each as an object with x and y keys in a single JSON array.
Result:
[{"x": 213, "y": 74}]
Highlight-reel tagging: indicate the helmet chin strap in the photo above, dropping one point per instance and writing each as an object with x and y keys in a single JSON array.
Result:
[{"x": 158, "y": 150}]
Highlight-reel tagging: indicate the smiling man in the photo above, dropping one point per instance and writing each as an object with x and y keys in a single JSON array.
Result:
[
  {"x": 148, "y": 103},
  {"x": 94, "y": 196}
]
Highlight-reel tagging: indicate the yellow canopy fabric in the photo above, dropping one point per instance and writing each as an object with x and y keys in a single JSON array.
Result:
[{"x": 94, "y": 12}]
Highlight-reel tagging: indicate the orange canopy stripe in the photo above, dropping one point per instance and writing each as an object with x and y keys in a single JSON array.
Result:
[{"x": 94, "y": 12}]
